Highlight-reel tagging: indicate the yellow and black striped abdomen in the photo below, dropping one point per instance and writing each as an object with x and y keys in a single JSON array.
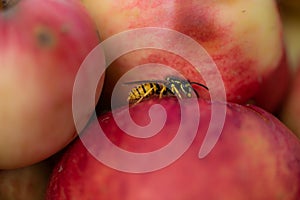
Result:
[{"x": 144, "y": 90}]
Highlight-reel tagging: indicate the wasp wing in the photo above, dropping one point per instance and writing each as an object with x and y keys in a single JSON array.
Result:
[{"x": 144, "y": 81}]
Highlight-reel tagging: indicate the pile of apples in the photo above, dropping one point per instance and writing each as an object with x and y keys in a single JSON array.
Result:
[{"x": 43, "y": 45}]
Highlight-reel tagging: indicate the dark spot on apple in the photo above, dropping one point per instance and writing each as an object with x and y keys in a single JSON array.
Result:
[
  {"x": 45, "y": 37},
  {"x": 64, "y": 29}
]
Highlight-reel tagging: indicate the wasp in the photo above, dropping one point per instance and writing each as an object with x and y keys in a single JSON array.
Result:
[{"x": 172, "y": 85}]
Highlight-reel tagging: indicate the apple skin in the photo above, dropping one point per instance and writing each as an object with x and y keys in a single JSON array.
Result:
[
  {"x": 40, "y": 53},
  {"x": 274, "y": 89},
  {"x": 256, "y": 157},
  {"x": 290, "y": 113},
  {"x": 236, "y": 34}
]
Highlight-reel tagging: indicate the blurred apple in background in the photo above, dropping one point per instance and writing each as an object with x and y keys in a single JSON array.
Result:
[
  {"x": 244, "y": 38},
  {"x": 290, "y": 114},
  {"x": 291, "y": 110},
  {"x": 256, "y": 157},
  {"x": 292, "y": 5},
  {"x": 290, "y": 13},
  {"x": 28, "y": 183},
  {"x": 43, "y": 44}
]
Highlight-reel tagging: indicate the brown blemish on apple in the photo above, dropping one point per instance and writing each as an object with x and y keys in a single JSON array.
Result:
[{"x": 44, "y": 37}]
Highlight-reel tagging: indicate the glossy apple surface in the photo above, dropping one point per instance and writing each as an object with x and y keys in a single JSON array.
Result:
[
  {"x": 256, "y": 157},
  {"x": 43, "y": 44},
  {"x": 244, "y": 38}
]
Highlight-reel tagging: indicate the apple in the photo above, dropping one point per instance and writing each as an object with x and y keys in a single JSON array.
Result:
[
  {"x": 256, "y": 157},
  {"x": 290, "y": 113},
  {"x": 289, "y": 10},
  {"x": 43, "y": 44},
  {"x": 274, "y": 89},
  {"x": 291, "y": 20},
  {"x": 244, "y": 38},
  {"x": 27, "y": 183}
]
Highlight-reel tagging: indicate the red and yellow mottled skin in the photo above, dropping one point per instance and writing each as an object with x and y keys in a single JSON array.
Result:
[
  {"x": 244, "y": 38},
  {"x": 256, "y": 157},
  {"x": 43, "y": 44}
]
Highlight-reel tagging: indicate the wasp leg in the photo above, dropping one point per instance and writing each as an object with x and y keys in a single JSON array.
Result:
[
  {"x": 148, "y": 92},
  {"x": 176, "y": 92},
  {"x": 162, "y": 91},
  {"x": 197, "y": 95}
]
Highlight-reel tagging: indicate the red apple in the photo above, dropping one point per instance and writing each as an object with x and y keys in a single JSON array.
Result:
[
  {"x": 244, "y": 38},
  {"x": 256, "y": 157},
  {"x": 43, "y": 44},
  {"x": 274, "y": 89},
  {"x": 290, "y": 114}
]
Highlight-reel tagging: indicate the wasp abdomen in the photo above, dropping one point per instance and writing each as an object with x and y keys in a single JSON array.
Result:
[{"x": 144, "y": 90}]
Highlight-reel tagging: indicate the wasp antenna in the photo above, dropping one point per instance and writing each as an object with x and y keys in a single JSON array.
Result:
[
  {"x": 196, "y": 93},
  {"x": 199, "y": 85}
]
